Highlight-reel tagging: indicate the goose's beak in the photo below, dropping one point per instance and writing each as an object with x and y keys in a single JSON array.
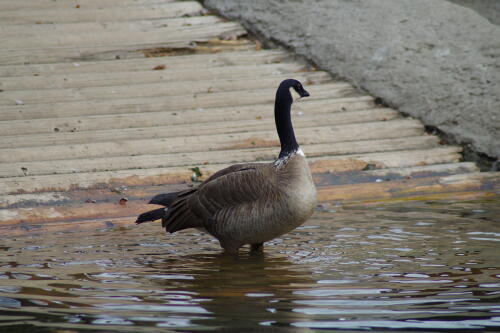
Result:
[{"x": 304, "y": 93}]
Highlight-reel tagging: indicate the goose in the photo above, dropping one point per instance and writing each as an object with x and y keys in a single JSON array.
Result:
[{"x": 249, "y": 203}]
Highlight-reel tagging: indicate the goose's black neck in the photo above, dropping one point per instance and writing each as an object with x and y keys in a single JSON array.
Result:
[{"x": 282, "y": 108}]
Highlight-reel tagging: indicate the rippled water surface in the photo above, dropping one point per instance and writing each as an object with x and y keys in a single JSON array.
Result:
[{"x": 416, "y": 266}]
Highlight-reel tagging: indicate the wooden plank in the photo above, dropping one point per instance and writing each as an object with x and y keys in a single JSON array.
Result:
[
  {"x": 96, "y": 14},
  {"x": 30, "y": 199},
  {"x": 335, "y": 145},
  {"x": 419, "y": 186},
  {"x": 100, "y": 222},
  {"x": 145, "y": 64},
  {"x": 412, "y": 187},
  {"x": 425, "y": 170},
  {"x": 475, "y": 179},
  {"x": 169, "y": 74},
  {"x": 182, "y": 141},
  {"x": 14, "y": 227},
  {"x": 171, "y": 175},
  {"x": 399, "y": 159},
  {"x": 14, "y": 201},
  {"x": 107, "y": 41},
  {"x": 50, "y": 4},
  {"x": 108, "y": 47},
  {"x": 43, "y": 215},
  {"x": 170, "y": 117},
  {"x": 172, "y": 103},
  {"x": 32, "y": 30},
  {"x": 165, "y": 88},
  {"x": 165, "y": 124},
  {"x": 74, "y": 55}
]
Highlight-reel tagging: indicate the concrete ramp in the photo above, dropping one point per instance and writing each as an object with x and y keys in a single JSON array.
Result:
[{"x": 104, "y": 104}]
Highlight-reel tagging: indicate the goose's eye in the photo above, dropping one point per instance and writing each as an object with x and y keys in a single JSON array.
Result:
[{"x": 300, "y": 90}]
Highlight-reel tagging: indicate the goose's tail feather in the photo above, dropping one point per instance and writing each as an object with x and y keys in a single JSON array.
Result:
[
  {"x": 167, "y": 199},
  {"x": 152, "y": 215}
]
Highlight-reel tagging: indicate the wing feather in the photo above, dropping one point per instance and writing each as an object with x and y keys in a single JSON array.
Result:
[
  {"x": 240, "y": 187},
  {"x": 224, "y": 191}
]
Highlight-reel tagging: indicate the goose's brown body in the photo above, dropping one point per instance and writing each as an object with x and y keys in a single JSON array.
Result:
[{"x": 248, "y": 203}]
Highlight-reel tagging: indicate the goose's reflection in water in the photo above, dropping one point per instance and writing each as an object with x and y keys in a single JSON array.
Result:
[{"x": 239, "y": 292}]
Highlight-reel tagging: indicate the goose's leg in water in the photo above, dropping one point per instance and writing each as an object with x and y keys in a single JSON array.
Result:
[{"x": 257, "y": 248}]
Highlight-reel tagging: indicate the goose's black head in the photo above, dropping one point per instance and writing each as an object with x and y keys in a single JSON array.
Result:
[{"x": 296, "y": 85}]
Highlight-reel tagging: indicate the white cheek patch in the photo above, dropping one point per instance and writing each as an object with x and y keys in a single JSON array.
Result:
[
  {"x": 294, "y": 94},
  {"x": 300, "y": 152}
]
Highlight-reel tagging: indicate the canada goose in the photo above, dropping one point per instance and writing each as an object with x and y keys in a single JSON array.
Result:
[{"x": 248, "y": 203}]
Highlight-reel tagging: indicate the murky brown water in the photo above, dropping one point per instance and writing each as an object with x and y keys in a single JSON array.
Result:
[{"x": 417, "y": 266}]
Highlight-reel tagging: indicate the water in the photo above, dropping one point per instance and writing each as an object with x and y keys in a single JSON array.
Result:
[{"x": 400, "y": 267}]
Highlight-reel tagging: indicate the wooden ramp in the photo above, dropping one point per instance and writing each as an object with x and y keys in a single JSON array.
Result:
[{"x": 106, "y": 103}]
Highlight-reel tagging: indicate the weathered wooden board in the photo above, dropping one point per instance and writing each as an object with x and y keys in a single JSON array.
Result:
[
  {"x": 334, "y": 177},
  {"x": 91, "y": 118},
  {"x": 56, "y": 14},
  {"x": 75, "y": 55},
  {"x": 192, "y": 61},
  {"x": 65, "y": 185},
  {"x": 51, "y": 4},
  {"x": 135, "y": 161},
  {"x": 242, "y": 139},
  {"x": 105, "y": 42},
  {"x": 165, "y": 88},
  {"x": 412, "y": 187},
  {"x": 42, "y": 29},
  {"x": 79, "y": 209},
  {"x": 178, "y": 170},
  {"x": 156, "y": 126},
  {"x": 93, "y": 49},
  {"x": 170, "y": 74},
  {"x": 173, "y": 103}
]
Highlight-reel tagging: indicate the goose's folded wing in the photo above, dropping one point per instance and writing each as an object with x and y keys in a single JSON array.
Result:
[
  {"x": 242, "y": 186},
  {"x": 166, "y": 199},
  {"x": 229, "y": 187}
]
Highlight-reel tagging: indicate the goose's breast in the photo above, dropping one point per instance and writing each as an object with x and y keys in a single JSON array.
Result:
[{"x": 300, "y": 188}]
